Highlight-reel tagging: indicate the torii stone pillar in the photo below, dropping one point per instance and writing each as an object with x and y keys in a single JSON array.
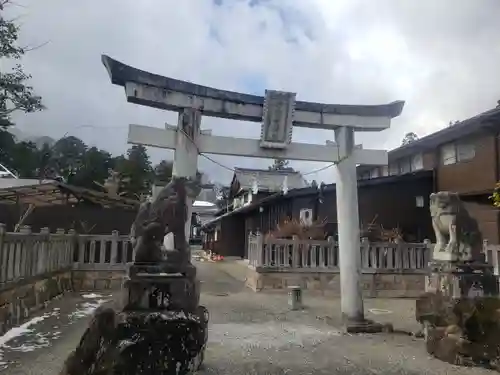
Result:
[
  {"x": 348, "y": 229},
  {"x": 186, "y": 153}
]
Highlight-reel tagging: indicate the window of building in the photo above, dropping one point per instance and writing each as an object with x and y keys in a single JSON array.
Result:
[
  {"x": 385, "y": 170},
  {"x": 404, "y": 166},
  {"x": 466, "y": 151},
  {"x": 419, "y": 201},
  {"x": 452, "y": 153},
  {"x": 374, "y": 173},
  {"x": 417, "y": 162},
  {"x": 449, "y": 154},
  {"x": 393, "y": 169}
]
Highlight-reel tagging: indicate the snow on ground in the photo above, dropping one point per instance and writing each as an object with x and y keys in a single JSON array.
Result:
[
  {"x": 22, "y": 330},
  {"x": 88, "y": 308},
  {"x": 31, "y": 335}
]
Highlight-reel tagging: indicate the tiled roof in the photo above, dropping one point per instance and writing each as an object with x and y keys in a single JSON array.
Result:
[{"x": 269, "y": 180}]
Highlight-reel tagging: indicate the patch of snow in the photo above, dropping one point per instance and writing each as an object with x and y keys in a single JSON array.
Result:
[
  {"x": 203, "y": 204},
  {"x": 91, "y": 296},
  {"x": 86, "y": 309},
  {"x": 22, "y": 329},
  {"x": 268, "y": 335}
]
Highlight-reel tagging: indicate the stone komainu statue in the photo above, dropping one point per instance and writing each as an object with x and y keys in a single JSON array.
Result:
[
  {"x": 167, "y": 213},
  {"x": 457, "y": 234}
]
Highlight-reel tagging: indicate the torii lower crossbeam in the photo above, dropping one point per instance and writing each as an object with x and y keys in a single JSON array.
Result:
[{"x": 219, "y": 145}]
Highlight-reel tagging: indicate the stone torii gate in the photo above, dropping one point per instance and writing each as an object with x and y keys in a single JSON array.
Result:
[{"x": 277, "y": 112}]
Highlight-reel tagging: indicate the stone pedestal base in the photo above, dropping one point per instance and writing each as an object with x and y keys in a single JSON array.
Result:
[
  {"x": 162, "y": 330},
  {"x": 151, "y": 290},
  {"x": 169, "y": 343},
  {"x": 461, "y": 313}
]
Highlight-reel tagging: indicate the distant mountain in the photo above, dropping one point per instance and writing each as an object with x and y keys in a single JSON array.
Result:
[{"x": 39, "y": 141}]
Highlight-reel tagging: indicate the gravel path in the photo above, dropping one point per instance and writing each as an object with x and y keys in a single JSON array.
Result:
[{"x": 256, "y": 334}]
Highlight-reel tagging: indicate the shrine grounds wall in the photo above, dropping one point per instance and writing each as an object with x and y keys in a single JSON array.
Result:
[
  {"x": 20, "y": 299},
  {"x": 383, "y": 284},
  {"x": 38, "y": 267},
  {"x": 88, "y": 280}
]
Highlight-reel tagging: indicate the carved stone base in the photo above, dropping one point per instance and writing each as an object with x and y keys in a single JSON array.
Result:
[
  {"x": 152, "y": 291},
  {"x": 161, "y": 344},
  {"x": 462, "y": 279},
  {"x": 461, "y": 313},
  {"x": 142, "y": 343}
]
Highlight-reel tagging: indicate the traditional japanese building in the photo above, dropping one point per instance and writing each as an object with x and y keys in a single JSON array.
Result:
[
  {"x": 463, "y": 157},
  {"x": 392, "y": 202}
]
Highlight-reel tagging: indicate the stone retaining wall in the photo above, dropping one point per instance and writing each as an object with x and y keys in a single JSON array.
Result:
[
  {"x": 383, "y": 284},
  {"x": 18, "y": 301},
  {"x": 97, "y": 280}
]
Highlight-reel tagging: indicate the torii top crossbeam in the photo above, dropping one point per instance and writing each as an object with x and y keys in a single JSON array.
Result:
[
  {"x": 171, "y": 94},
  {"x": 278, "y": 112}
]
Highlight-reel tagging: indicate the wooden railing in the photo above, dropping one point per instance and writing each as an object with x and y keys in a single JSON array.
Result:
[
  {"x": 26, "y": 254},
  {"x": 296, "y": 254},
  {"x": 102, "y": 252}
]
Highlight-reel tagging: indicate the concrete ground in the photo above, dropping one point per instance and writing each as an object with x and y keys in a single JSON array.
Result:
[{"x": 249, "y": 334}]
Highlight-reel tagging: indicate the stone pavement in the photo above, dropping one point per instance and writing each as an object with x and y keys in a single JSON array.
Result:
[
  {"x": 257, "y": 334},
  {"x": 400, "y": 312}
]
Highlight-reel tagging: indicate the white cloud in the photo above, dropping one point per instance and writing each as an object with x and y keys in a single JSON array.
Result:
[{"x": 441, "y": 57}]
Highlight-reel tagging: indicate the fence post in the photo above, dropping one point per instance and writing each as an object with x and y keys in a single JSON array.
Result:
[
  {"x": 57, "y": 251},
  {"x": 428, "y": 252},
  {"x": 43, "y": 253},
  {"x": 296, "y": 253},
  {"x": 259, "y": 245},
  {"x": 26, "y": 251},
  {"x": 3, "y": 252},
  {"x": 332, "y": 259},
  {"x": 252, "y": 253},
  {"x": 365, "y": 253},
  {"x": 71, "y": 248},
  {"x": 115, "y": 235},
  {"x": 404, "y": 254}
]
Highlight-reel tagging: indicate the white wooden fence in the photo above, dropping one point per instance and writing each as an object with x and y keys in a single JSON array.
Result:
[
  {"x": 102, "y": 252},
  {"x": 293, "y": 254},
  {"x": 309, "y": 254},
  {"x": 25, "y": 254}
]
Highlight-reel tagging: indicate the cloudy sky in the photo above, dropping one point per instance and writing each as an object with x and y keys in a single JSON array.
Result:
[{"x": 441, "y": 57}]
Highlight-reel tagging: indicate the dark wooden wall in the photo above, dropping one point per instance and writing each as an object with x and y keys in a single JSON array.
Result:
[
  {"x": 105, "y": 219},
  {"x": 232, "y": 241},
  {"x": 394, "y": 204}
]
